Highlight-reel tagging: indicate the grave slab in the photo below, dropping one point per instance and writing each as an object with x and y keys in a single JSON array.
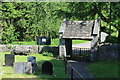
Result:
[{"x": 22, "y": 67}]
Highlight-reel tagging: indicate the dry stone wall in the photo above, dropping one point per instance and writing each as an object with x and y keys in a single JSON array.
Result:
[
  {"x": 109, "y": 52},
  {"x": 31, "y": 48},
  {"x": 105, "y": 51}
]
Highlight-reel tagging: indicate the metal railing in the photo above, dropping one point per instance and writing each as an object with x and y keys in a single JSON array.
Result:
[
  {"x": 81, "y": 53},
  {"x": 74, "y": 74},
  {"x": 80, "y": 50}
]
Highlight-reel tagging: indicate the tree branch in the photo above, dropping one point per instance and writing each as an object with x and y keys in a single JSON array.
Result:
[
  {"x": 107, "y": 20},
  {"x": 103, "y": 17}
]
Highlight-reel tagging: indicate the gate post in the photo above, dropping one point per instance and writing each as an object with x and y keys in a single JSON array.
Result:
[
  {"x": 71, "y": 74},
  {"x": 65, "y": 64}
]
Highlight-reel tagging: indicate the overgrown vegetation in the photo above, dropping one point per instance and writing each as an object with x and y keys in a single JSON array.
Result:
[
  {"x": 105, "y": 69},
  {"x": 59, "y": 72}
]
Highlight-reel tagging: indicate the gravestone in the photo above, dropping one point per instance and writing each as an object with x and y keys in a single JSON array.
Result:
[
  {"x": 22, "y": 67},
  {"x": 9, "y": 59},
  {"x": 43, "y": 40},
  {"x": 32, "y": 59},
  {"x": 47, "y": 68}
]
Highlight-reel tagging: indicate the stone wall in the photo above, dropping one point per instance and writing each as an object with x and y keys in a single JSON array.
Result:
[
  {"x": 62, "y": 51},
  {"x": 105, "y": 51},
  {"x": 109, "y": 52},
  {"x": 31, "y": 48}
]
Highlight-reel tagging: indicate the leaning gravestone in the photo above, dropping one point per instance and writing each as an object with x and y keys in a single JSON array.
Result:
[
  {"x": 32, "y": 59},
  {"x": 22, "y": 67},
  {"x": 9, "y": 59},
  {"x": 47, "y": 68}
]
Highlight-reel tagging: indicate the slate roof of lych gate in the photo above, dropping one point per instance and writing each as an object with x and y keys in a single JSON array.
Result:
[{"x": 78, "y": 30}]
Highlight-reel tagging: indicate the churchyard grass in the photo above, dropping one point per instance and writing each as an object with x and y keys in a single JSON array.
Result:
[
  {"x": 79, "y": 41},
  {"x": 54, "y": 42},
  {"x": 8, "y": 72},
  {"x": 104, "y": 69}
]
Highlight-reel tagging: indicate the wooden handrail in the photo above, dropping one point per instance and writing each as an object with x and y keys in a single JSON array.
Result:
[{"x": 74, "y": 69}]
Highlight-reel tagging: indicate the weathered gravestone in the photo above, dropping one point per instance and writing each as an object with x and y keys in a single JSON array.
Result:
[
  {"x": 47, "y": 68},
  {"x": 9, "y": 59},
  {"x": 32, "y": 59},
  {"x": 22, "y": 67}
]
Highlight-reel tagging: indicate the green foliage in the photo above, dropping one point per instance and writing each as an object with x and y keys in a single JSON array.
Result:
[
  {"x": 47, "y": 54},
  {"x": 9, "y": 35},
  {"x": 113, "y": 39},
  {"x": 107, "y": 12},
  {"x": 32, "y": 19},
  {"x": 10, "y": 47},
  {"x": 55, "y": 42}
]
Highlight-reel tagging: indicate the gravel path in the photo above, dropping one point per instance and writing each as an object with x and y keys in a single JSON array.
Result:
[
  {"x": 81, "y": 67},
  {"x": 83, "y": 45}
]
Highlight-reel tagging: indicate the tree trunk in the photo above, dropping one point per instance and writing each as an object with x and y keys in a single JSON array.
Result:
[{"x": 119, "y": 36}]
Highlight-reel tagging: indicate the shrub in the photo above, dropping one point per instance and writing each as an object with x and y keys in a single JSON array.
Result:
[
  {"x": 10, "y": 47},
  {"x": 47, "y": 54}
]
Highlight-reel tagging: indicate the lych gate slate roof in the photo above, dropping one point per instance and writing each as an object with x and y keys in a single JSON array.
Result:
[{"x": 79, "y": 29}]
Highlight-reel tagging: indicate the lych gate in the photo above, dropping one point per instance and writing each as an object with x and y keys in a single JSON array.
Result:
[{"x": 81, "y": 30}]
